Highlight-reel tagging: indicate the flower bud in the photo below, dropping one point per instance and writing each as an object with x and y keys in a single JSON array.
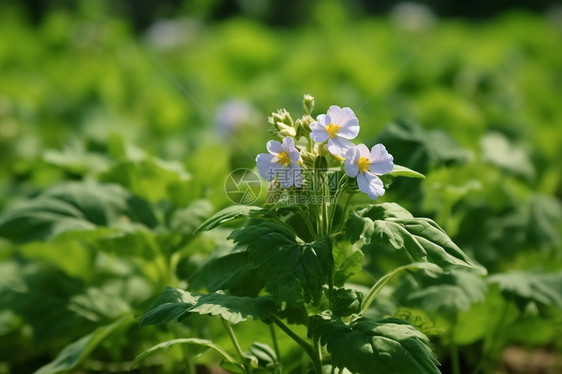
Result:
[
  {"x": 281, "y": 116},
  {"x": 308, "y": 104},
  {"x": 323, "y": 149}
]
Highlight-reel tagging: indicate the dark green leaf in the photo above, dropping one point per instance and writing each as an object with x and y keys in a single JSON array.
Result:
[
  {"x": 227, "y": 214},
  {"x": 348, "y": 260},
  {"x": 366, "y": 346},
  {"x": 346, "y": 302},
  {"x": 233, "y": 272},
  {"x": 293, "y": 271}
]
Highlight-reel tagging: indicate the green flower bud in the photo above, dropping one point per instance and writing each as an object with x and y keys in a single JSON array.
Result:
[
  {"x": 323, "y": 149},
  {"x": 308, "y": 104},
  {"x": 281, "y": 116}
]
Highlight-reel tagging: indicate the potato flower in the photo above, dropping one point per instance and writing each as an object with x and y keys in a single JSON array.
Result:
[
  {"x": 337, "y": 126},
  {"x": 283, "y": 161},
  {"x": 367, "y": 166}
]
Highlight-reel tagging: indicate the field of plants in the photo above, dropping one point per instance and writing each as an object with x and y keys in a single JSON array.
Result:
[{"x": 348, "y": 194}]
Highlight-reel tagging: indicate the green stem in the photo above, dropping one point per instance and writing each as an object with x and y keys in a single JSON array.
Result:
[
  {"x": 306, "y": 220},
  {"x": 454, "y": 349},
  {"x": 274, "y": 340},
  {"x": 235, "y": 343},
  {"x": 304, "y": 345}
]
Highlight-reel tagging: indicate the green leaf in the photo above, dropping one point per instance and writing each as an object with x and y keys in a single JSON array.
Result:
[
  {"x": 422, "y": 239},
  {"x": 227, "y": 214},
  {"x": 187, "y": 220},
  {"x": 452, "y": 291},
  {"x": 233, "y": 272},
  {"x": 74, "y": 206},
  {"x": 419, "y": 148},
  {"x": 198, "y": 347},
  {"x": 235, "y": 309},
  {"x": 530, "y": 287},
  {"x": 152, "y": 180},
  {"x": 402, "y": 171},
  {"x": 172, "y": 304},
  {"x": 366, "y": 346},
  {"x": 348, "y": 260},
  {"x": 293, "y": 271},
  {"x": 72, "y": 355}
]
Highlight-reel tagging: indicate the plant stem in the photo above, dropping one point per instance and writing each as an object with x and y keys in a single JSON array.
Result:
[
  {"x": 274, "y": 339},
  {"x": 235, "y": 343},
  {"x": 304, "y": 345}
]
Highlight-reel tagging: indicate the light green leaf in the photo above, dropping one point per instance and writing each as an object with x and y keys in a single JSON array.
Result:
[
  {"x": 293, "y": 271},
  {"x": 422, "y": 239},
  {"x": 172, "y": 304},
  {"x": 72, "y": 355},
  {"x": 227, "y": 214},
  {"x": 530, "y": 287},
  {"x": 366, "y": 346},
  {"x": 235, "y": 309},
  {"x": 454, "y": 290},
  {"x": 198, "y": 348},
  {"x": 402, "y": 171},
  {"x": 348, "y": 260}
]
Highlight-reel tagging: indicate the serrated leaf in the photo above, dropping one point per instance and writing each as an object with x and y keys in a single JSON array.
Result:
[
  {"x": 72, "y": 355},
  {"x": 172, "y": 304},
  {"x": 235, "y": 309},
  {"x": 366, "y": 346},
  {"x": 530, "y": 287},
  {"x": 198, "y": 346},
  {"x": 402, "y": 171},
  {"x": 421, "y": 238},
  {"x": 227, "y": 214},
  {"x": 74, "y": 206},
  {"x": 293, "y": 271}
]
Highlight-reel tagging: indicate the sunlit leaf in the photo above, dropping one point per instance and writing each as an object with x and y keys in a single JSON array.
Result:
[
  {"x": 227, "y": 214},
  {"x": 172, "y": 304},
  {"x": 531, "y": 287},
  {"x": 388, "y": 224},
  {"x": 235, "y": 309}
]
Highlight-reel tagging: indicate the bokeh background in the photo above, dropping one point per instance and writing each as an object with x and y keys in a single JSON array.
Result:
[{"x": 165, "y": 98}]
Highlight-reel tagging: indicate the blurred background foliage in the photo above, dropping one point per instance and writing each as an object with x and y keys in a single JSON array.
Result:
[{"x": 142, "y": 108}]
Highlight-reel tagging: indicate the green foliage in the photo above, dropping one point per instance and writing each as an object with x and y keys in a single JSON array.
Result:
[
  {"x": 421, "y": 238},
  {"x": 227, "y": 214},
  {"x": 524, "y": 288},
  {"x": 366, "y": 346},
  {"x": 293, "y": 271}
]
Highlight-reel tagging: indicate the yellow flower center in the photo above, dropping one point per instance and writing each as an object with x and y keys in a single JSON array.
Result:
[
  {"x": 284, "y": 159},
  {"x": 363, "y": 164},
  {"x": 332, "y": 130}
]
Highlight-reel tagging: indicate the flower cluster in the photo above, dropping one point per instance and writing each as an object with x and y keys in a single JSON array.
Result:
[{"x": 331, "y": 135}]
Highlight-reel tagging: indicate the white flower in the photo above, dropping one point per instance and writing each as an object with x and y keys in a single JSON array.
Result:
[
  {"x": 337, "y": 126},
  {"x": 282, "y": 161},
  {"x": 366, "y": 166}
]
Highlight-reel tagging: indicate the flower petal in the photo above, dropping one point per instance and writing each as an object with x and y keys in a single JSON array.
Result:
[
  {"x": 318, "y": 133},
  {"x": 339, "y": 146},
  {"x": 351, "y": 159},
  {"x": 268, "y": 167},
  {"x": 288, "y": 144},
  {"x": 323, "y": 120},
  {"x": 381, "y": 160},
  {"x": 350, "y": 130},
  {"x": 363, "y": 151},
  {"x": 274, "y": 147},
  {"x": 370, "y": 184},
  {"x": 340, "y": 116}
]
